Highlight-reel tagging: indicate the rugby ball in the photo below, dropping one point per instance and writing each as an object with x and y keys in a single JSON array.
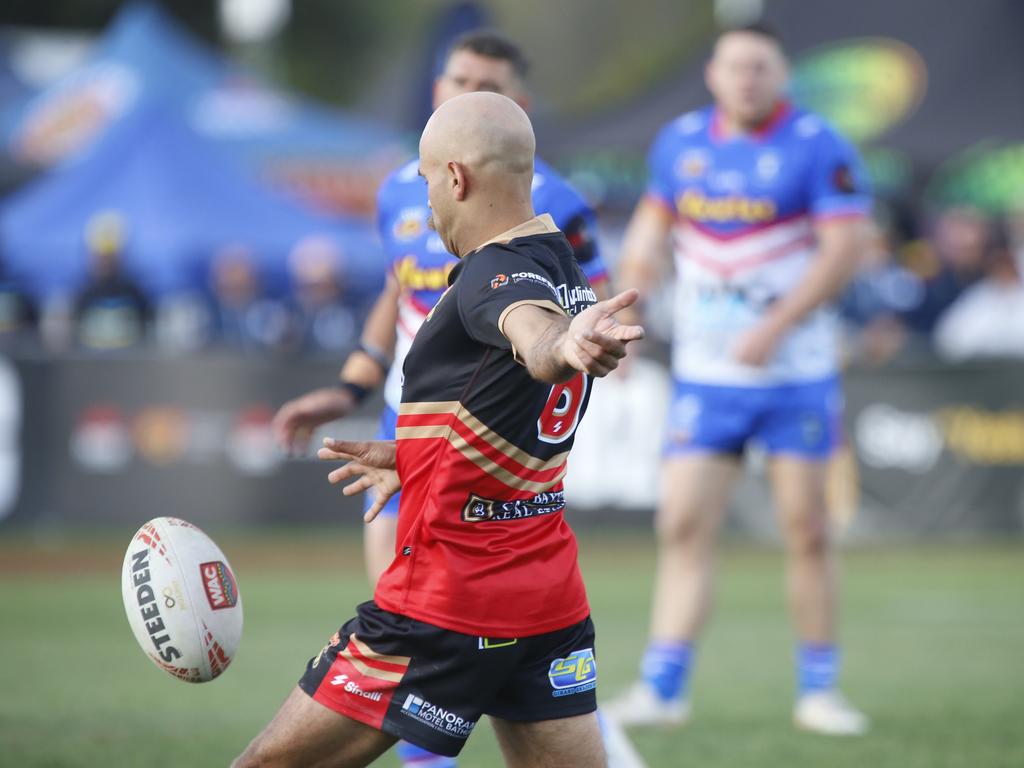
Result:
[{"x": 182, "y": 599}]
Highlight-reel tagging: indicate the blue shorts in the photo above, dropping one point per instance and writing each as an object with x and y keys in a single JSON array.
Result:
[
  {"x": 385, "y": 431},
  {"x": 802, "y": 419}
]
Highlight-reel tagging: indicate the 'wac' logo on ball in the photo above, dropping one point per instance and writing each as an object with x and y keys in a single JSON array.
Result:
[{"x": 219, "y": 583}]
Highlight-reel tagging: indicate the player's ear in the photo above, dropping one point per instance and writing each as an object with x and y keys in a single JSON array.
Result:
[{"x": 457, "y": 180}]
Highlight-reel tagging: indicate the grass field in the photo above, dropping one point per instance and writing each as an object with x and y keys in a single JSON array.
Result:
[{"x": 934, "y": 650}]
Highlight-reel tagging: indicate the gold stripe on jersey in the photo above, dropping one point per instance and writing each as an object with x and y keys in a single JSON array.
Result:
[
  {"x": 419, "y": 409},
  {"x": 510, "y": 449},
  {"x": 477, "y": 427},
  {"x": 531, "y": 464},
  {"x": 423, "y": 432}
]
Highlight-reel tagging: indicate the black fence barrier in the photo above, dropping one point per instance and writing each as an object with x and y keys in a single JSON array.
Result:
[{"x": 120, "y": 440}]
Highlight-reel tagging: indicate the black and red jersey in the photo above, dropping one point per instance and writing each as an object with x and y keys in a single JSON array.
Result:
[{"x": 483, "y": 547}]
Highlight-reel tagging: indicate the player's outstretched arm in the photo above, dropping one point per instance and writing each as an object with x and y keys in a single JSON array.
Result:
[
  {"x": 363, "y": 371},
  {"x": 554, "y": 349},
  {"x": 370, "y": 462}
]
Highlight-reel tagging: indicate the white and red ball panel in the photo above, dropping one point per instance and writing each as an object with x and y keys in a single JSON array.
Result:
[{"x": 182, "y": 600}]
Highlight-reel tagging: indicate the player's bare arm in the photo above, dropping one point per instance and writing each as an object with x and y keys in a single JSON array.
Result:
[
  {"x": 370, "y": 462},
  {"x": 645, "y": 249},
  {"x": 294, "y": 423},
  {"x": 554, "y": 349},
  {"x": 841, "y": 243}
]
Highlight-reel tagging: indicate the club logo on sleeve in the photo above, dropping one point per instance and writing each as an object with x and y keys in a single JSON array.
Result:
[
  {"x": 411, "y": 223},
  {"x": 219, "y": 584},
  {"x": 576, "y": 673}
]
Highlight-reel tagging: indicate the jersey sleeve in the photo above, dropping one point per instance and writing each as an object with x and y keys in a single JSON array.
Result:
[
  {"x": 491, "y": 285},
  {"x": 574, "y": 217},
  {"x": 580, "y": 230},
  {"x": 839, "y": 185},
  {"x": 660, "y": 168}
]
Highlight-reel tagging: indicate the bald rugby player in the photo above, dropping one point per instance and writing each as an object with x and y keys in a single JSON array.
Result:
[
  {"x": 483, "y": 610},
  {"x": 479, "y": 61}
]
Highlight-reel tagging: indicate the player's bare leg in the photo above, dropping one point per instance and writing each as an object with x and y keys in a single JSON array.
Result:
[
  {"x": 570, "y": 742},
  {"x": 695, "y": 491},
  {"x": 379, "y": 545},
  {"x": 799, "y": 490},
  {"x": 305, "y": 734},
  {"x": 799, "y": 487},
  {"x": 694, "y": 494}
]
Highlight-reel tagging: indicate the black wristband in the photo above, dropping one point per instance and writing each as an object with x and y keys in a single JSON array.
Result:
[
  {"x": 358, "y": 391},
  {"x": 375, "y": 354}
]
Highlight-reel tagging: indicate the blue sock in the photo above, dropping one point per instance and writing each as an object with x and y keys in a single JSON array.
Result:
[
  {"x": 817, "y": 668},
  {"x": 666, "y": 668},
  {"x": 418, "y": 757}
]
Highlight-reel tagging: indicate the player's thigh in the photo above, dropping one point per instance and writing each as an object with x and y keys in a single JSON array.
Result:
[
  {"x": 799, "y": 488},
  {"x": 695, "y": 490},
  {"x": 306, "y": 734},
  {"x": 569, "y": 742}
]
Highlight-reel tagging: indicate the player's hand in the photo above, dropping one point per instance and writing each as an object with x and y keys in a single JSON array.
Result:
[
  {"x": 370, "y": 462},
  {"x": 595, "y": 341},
  {"x": 757, "y": 346},
  {"x": 294, "y": 423}
]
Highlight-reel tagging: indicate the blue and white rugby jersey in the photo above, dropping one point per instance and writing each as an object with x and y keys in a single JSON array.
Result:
[{"x": 743, "y": 236}]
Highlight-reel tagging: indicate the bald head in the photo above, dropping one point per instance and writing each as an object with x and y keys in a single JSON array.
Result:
[
  {"x": 477, "y": 155},
  {"x": 483, "y": 131}
]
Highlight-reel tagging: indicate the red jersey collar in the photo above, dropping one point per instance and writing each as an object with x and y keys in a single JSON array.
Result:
[{"x": 762, "y": 132}]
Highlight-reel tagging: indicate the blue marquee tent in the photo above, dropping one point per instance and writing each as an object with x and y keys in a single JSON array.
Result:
[
  {"x": 181, "y": 198},
  {"x": 146, "y": 58}
]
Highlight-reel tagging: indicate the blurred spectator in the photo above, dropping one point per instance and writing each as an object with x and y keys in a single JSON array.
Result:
[
  {"x": 880, "y": 292},
  {"x": 183, "y": 322},
  {"x": 325, "y": 323},
  {"x": 111, "y": 311},
  {"x": 243, "y": 317},
  {"x": 961, "y": 242},
  {"x": 19, "y": 318},
  {"x": 987, "y": 321}
]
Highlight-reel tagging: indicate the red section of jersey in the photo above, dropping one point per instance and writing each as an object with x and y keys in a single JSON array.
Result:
[
  {"x": 362, "y": 695},
  {"x": 498, "y": 577}
]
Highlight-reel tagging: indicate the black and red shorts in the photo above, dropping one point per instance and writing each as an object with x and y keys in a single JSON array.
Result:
[{"x": 430, "y": 685}]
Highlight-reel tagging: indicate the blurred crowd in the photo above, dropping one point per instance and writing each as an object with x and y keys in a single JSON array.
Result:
[
  {"x": 949, "y": 287},
  {"x": 235, "y": 311}
]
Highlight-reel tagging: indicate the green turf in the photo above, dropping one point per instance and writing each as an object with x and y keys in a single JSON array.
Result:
[{"x": 934, "y": 651}]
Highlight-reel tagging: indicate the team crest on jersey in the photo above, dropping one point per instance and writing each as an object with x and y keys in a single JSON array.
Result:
[
  {"x": 692, "y": 164},
  {"x": 411, "y": 223},
  {"x": 498, "y": 281},
  {"x": 576, "y": 673},
  {"x": 768, "y": 164}
]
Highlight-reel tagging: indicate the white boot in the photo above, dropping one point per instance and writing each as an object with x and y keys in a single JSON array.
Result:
[
  {"x": 829, "y": 712},
  {"x": 641, "y": 705}
]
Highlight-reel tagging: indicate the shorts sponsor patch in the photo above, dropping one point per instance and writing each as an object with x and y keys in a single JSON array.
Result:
[
  {"x": 438, "y": 718},
  {"x": 576, "y": 673}
]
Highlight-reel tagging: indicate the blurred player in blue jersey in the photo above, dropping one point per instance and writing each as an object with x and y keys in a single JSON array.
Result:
[
  {"x": 765, "y": 207},
  {"x": 479, "y": 61}
]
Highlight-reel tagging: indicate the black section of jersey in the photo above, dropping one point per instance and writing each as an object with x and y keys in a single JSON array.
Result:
[{"x": 460, "y": 354}]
